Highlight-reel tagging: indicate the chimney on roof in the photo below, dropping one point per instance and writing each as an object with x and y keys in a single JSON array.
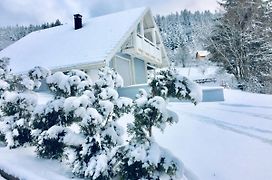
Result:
[{"x": 78, "y": 21}]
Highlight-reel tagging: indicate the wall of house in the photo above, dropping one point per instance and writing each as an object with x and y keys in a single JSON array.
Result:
[
  {"x": 133, "y": 70},
  {"x": 93, "y": 73}
]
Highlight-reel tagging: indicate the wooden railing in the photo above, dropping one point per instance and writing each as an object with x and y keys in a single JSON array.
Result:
[
  {"x": 143, "y": 46},
  {"x": 205, "y": 80}
]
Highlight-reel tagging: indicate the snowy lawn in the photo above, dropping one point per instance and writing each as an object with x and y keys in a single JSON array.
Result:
[
  {"x": 228, "y": 140},
  {"x": 23, "y": 163}
]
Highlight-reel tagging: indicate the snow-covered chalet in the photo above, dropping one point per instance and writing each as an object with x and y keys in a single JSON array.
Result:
[{"x": 128, "y": 41}]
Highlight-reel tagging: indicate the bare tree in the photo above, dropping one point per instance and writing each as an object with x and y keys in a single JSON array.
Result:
[{"x": 241, "y": 42}]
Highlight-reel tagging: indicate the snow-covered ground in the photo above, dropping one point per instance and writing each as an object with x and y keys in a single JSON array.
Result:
[
  {"x": 23, "y": 163},
  {"x": 230, "y": 140}
]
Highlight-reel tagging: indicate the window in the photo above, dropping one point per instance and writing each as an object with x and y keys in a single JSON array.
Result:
[
  {"x": 140, "y": 71},
  {"x": 122, "y": 66}
]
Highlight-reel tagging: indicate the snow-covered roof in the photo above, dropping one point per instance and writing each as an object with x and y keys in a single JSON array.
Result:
[{"x": 62, "y": 46}]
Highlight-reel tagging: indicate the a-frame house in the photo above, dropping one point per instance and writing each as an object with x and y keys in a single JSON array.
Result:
[{"x": 128, "y": 41}]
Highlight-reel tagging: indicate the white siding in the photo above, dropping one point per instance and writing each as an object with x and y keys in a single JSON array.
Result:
[
  {"x": 93, "y": 73},
  {"x": 123, "y": 67}
]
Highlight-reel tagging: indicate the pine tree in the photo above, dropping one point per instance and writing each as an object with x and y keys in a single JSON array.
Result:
[
  {"x": 142, "y": 157},
  {"x": 169, "y": 83},
  {"x": 95, "y": 108},
  {"x": 72, "y": 83},
  {"x": 96, "y": 157},
  {"x": 17, "y": 104},
  {"x": 54, "y": 114},
  {"x": 4, "y": 74}
]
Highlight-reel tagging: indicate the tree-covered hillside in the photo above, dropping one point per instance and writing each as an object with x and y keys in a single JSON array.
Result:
[
  {"x": 184, "y": 33},
  {"x": 10, "y": 34}
]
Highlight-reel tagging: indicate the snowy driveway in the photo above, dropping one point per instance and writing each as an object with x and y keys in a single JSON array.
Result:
[{"x": 230, "y": 140}]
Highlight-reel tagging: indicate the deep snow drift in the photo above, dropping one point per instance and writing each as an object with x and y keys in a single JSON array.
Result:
[{"x": 227, "y": 140}]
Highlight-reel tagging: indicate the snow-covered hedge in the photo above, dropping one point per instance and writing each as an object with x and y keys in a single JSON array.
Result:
[{"x": 94, "y": 150}]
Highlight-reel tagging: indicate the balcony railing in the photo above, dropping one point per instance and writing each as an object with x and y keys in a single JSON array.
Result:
[{"x": 143, "y": 47}]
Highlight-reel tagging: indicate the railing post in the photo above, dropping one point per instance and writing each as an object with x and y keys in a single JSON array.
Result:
[
  {"x": 142, "y": 28},
  {"x": 154, "y": 36},
  {"x": 134, "y": 36}
]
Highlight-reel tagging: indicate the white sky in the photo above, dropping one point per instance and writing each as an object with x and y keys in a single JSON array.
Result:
[{"x": 25, "y": 12}]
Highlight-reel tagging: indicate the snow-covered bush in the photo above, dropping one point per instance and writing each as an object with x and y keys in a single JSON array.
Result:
[
  {"x": 62, "y": 111},
  {"x": 149, "y": 161},
  {"x": 142, "y": 157},
  {"x": 95, "y": 108},
  {"x": 24, "y": 82},
  {"x": 17, "y": 103},
  {"x": 57, "y": 114},
  {"x": 4, "y": 74},
  {"x": 50, "y": 142},
  {"x": 72, "y": 83},
  {"x": 169, "y": 83},
  {"x": 109, "y": 78},
  {"x": 150, "y": 112},
  {"x": 96, "y": 157},
  {"x": 16, "y": 112},
  {"x": 37, "y": 74},
  {"x": 4, "y": 67},
  {"x": 48, "y": 115}
]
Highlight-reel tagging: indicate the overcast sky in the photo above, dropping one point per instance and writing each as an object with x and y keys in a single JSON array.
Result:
[{"x": 26, "y": 12}]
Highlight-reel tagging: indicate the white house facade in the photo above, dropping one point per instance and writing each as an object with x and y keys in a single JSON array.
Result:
[{"x": 128, "y": 41}]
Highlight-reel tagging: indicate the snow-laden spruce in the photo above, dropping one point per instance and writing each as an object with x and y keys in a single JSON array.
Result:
[
  {"x": 168, "y": 83},
  {"x": 62, "y": 111},
  {"x": 142, "y": 157},
  {"x": 71, "y": 84},
  {"x": 95, "y": 108},
  {"x": 4, "y": 74},
  {"x": 96, "y": 158},
  {"x": 17, "y": 103}
]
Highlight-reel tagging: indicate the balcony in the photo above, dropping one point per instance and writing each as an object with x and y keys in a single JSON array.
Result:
[{"x": 143, "y": 47}]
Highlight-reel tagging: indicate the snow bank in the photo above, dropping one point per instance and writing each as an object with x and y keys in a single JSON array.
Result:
[{"x": 23, "y": 163}]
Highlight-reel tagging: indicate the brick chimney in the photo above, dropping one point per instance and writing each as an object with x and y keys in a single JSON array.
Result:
[{"x": 78, "y": 21}]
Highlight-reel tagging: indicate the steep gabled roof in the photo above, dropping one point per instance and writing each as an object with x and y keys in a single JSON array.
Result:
[{"x": 62, "y": 46}]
